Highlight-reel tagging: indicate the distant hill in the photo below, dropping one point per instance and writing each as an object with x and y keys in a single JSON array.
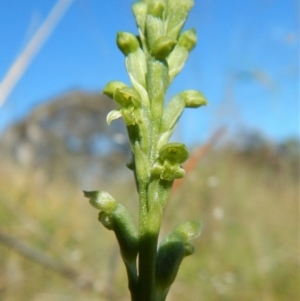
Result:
[{"x": 69, "y": 133}]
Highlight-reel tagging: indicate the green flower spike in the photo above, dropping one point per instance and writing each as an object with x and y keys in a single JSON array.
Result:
[{"x": 152, "y": 61}]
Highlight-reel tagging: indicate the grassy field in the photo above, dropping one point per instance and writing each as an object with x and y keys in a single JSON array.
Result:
[{"x": 248, "y": 249}]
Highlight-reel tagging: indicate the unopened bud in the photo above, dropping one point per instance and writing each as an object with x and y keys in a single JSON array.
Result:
[
  {"x": 127, "y": 42},
  {"x": 188, "y": 39},
  {"x": 194, "y": 99},
  {"x": 156, "y": 8},
  {"x": 111, "y": 88},
  {"x": 101, "y": 200},
  {"x": 162, "y": 47}
]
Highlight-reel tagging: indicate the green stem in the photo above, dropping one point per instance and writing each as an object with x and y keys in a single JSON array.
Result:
[
  {"x": 147, "y": 263},
  {"x": 148, "y": 254},
  {"x": 149, "y": 225},
  {"x": 157, "y": 81}
]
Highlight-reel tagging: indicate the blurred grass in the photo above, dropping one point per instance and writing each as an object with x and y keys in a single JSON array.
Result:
[{"x": 248, "y": 249}]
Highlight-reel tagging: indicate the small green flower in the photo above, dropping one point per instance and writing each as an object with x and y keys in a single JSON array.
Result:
[
  {"x": 174, "y": 152},
  {"x": 168, "y": 164},
  {"x": 127, "y": 97},
  {"x": 129, "y": 100}
]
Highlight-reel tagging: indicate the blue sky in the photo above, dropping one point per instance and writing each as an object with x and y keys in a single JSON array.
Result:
[{"x": 246, "y": 61}]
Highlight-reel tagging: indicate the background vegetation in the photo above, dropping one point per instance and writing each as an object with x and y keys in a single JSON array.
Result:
[{"x": 245, "y": 190}]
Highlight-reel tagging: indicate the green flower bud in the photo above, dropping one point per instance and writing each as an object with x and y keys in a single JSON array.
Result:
[
  {"x": 162, "y": 47},
  {"x": 127, "y": 97},
  {"x": 111, "y": 88},
  {"x": 127, "y": 42},
  {"x": 188, "y": 39},
  {"x": 193, "y": 99},
  {"x": 101, "y": 200},
  {"x": 156, "y": 8}
]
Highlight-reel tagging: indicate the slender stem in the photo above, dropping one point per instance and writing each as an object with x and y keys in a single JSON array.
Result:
[
  {"x": 147, "y": 263},
  {"x": 147, "y": 247},
  {"x": 150, "y": 223}
]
